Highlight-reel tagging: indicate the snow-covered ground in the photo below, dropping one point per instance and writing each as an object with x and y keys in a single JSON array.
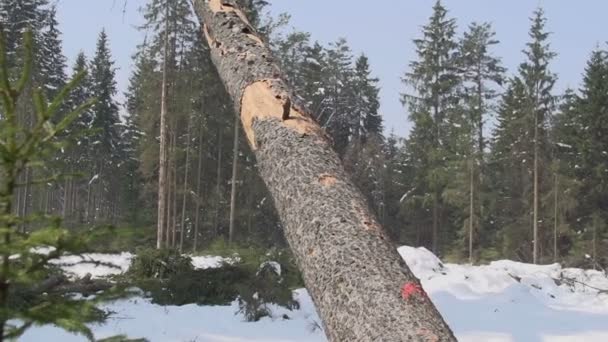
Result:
[{"x": 502, "y": 301}]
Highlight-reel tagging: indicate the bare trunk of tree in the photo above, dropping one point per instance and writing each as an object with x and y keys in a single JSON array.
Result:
[
  {"x": 596, "y": 219},
  {"x": 199, "y": 177},
  {"x": 170, "y": 193},
  {"x": 480, "y": 161},
  {"x": 26, "y": 196},
  {"x": 185, "y": 188},
  {"x": 361, "y": 287},
  {"x": 66, "y": 198},
  {"x": 174, "y": 191},
  {"x": 535, "y": 255},
  {"x": 87, "y": 212},
  {"x": 555, "y": 219},
  {"x": 162, "y": 170},
  {"x": 235, "y": 161},
  {"x": 435, "y": 228},
  {"x": 471, "y": 208},
  {"x": 218, "y": 182}
]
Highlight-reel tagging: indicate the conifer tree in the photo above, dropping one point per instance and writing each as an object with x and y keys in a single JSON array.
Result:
[
  {"x": 481, "y": 73},
  {"x": 582, "y": 141},
  {"x": 105, "y": 139},
  {"x": 539, "y": 104},
  {"x": 337, "y": 119},
  {"x": 367, "y": 120},
  {"x": 52, "y": 61},
  {"x": 433, "y": 80}
]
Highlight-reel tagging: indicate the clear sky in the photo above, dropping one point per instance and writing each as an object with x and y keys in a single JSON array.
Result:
[{"x": 382, "y": 29}]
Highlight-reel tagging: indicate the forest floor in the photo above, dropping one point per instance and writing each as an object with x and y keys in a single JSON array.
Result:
[{"x": 501, "y": 301}]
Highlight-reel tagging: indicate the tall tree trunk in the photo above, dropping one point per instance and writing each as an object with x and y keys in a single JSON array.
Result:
[
  {"x": 471, "y": 208},
  {"x": 66, "y": 198},
  {"x": 199, "y": 177},
  {"x": 26, "y": 196},
  {"x": 170, "y": 193},
  {"x": 87, "y": 213},
  {"x": 480, "y": 161},
  {"x": 162, "y": 169},
  {"x": 361, "y": 287},
  {"x": 535, "y": 199},
  {"x": 174, "y": 190},
  {"x": 555, "y": 219},
  {"x": 435, "y": 228},
  {"x": 596, "y": 223},
  {"x": 17, "y": 194},
  {"x": 185, "y": 188},
  {"x": 235, "y": 161},
  {"x": 218, "y": 182}
]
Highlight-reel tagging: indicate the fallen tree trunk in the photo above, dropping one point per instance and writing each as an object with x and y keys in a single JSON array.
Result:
[
  {"x": 361, "y": 287},
  {"x": 60, "y": 284}
]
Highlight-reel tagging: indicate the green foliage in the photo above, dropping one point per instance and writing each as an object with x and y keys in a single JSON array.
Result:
[
  {"x": 254, "y": 277},
  {"x": 121, "y": 239},
  {"x": 26, "y": 256},
  {"x": 159, "y": 264}
]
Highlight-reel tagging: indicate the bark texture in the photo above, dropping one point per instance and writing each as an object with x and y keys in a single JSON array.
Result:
[{"x": 361, "y": 287}]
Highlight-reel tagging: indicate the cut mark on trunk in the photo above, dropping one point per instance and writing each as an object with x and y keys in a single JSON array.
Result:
[
  {"x": 428, "y": 335},
  {"x": 368, "y": 222},
  {"x": 327, "y": 179},
  {"x": 255, "y": 38},
  {"x": 210, "y": 41},
  {"x": 247, "y": 56},
  {"x": 218, "y": 6},
  {"x": 260, "y": 102},
  {"x": 215, "y": 44}
]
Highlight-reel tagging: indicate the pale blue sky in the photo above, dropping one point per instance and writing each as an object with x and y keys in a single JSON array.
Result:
[{"x": 382, "y": 29}]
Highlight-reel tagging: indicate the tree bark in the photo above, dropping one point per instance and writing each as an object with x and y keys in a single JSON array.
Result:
[
  {"x": 471, "y": 208},
  {"x": 535, "y": 255},
  {"x": 174, "y": 189},
  {"x": 435, "y": 227},
  {"x": 359, "y": 283},
  {"x": 162, "y": 169},
  {"x": 199, "y": 177},
  {"x": 555, "y": 219},
  {"x": 185, "y": 188},
  {"x": 235, "y": 161},
  {"x": 218, "y": 183}
]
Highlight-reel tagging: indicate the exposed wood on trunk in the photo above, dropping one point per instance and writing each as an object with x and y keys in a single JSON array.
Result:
[{"x": 350, "y": 267}]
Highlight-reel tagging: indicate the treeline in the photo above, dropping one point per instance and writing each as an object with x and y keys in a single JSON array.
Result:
[
  {"x": 94, "y": 173},
  {"x": 497, "y": 165}
]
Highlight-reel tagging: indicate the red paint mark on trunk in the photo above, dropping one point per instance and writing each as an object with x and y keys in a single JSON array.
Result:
[{"x": 412, "y": 289}]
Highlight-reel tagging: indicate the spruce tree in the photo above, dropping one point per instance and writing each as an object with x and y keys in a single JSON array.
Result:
[
  {"x": 539, "y": 105},
  {"x": 18, "y": 16},
  {"x": 366, "y": 119},
  {"x": 587, "y": 124},
  {"x": 105, "y": 138},
  {"x": 509, "y": 170},
  {"x": 339, "y": 93},
  {"x": 481, "y": 73},
  {"x": 314, "y": 79},
  {"x": 52, "y": 61},
  {"x": 433, "y": 80}
]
